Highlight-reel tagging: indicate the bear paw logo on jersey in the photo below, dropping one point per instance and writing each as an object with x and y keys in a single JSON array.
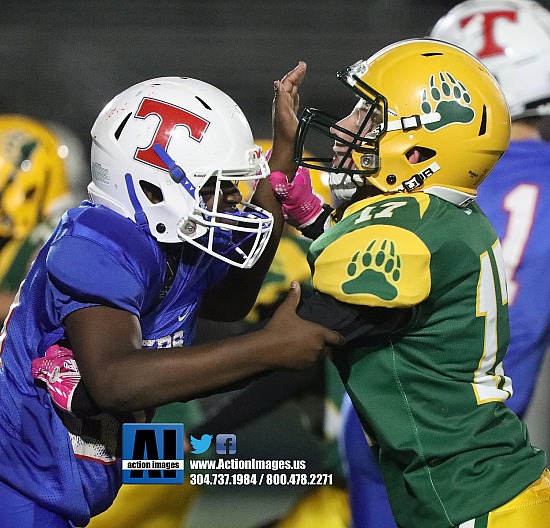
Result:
[
  {"x": 375, "y": 265},
  {"x": 375, "y": 271},
  {"x": 449, "y": 98}
]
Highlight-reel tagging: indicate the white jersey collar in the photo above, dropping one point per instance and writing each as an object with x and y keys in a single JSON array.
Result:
[{"x": 459, "y": 198}]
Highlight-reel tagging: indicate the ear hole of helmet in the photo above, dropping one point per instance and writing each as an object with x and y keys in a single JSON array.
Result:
[
  {"x": 153, "y": 193},
  {"x": 424, "y": 154}
]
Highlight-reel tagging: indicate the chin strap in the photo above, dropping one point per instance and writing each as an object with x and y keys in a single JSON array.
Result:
[
  {"x": 176, "y": 172},
  {"x": 139, "y": 216}
]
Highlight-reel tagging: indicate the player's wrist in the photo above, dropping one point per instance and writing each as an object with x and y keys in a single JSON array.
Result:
[{"x": 300, "y": 204}]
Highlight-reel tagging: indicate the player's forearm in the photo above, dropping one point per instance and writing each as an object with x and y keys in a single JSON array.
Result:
[
  {"x": 353, "y": 321},
  {"x": 150, "y": 378},
  {"x": 121, "y": 376}
]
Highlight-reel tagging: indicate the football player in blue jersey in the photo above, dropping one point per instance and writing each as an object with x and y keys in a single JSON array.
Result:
[
  {"x": 164, "y": 238},
  {"x": 512, "y": 38}
]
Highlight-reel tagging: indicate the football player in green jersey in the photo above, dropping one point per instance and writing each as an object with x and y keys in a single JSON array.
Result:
[
  {"x": 43, "y": 172},
  {"x": 413, "y": 254}
]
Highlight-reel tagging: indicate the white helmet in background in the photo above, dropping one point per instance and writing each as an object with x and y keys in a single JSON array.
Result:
[
  {"x": 512, "y": 38},
  {"x": 169, "y": 136}
]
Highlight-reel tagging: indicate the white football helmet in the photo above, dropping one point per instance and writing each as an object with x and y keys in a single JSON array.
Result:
[
  {"x": 512, "y": 38},
  {"x": 171, "y": 135}
]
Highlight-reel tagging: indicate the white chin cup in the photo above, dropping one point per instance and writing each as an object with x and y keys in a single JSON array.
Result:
[{"x": 343, "y": 185}]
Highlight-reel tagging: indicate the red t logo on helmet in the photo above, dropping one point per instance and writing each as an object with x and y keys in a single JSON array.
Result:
[
  {"x": 170, "y": 117},
  {"x": 490, "y": 47}
]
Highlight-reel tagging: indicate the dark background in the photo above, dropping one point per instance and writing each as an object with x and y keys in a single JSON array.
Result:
[{"x": 63, "y": 60}]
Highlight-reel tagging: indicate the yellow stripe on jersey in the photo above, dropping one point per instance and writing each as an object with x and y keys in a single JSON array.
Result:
[
  {"x": 378, "y": 265},
  {"x": 422, "y": 199}
]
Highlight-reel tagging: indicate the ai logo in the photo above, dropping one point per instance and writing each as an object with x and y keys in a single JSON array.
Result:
[{"x": 152, "y": 453}]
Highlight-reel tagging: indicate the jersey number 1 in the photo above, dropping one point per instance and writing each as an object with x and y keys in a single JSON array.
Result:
[{"x": 490, "y": 383}]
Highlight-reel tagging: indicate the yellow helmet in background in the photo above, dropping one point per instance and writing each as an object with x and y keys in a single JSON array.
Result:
[
  {"x": 319, "y": 179},
  {"x": 32, "y": 175}
]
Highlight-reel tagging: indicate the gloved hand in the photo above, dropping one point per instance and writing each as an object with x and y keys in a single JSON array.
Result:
[
  {"x": 59, "y": 371},
  {"x": 301, "y": 206}
]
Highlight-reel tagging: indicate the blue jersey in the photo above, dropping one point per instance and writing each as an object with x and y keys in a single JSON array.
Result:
[
  {"x": 515, "y": 197},
  {"x": 94, "y": 257}
]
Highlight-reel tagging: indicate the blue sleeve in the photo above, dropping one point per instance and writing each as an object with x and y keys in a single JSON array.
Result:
[{"x": 84, "y": 273}]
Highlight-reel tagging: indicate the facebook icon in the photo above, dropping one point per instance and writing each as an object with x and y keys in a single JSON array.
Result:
[{"x": 226, "y": 444}]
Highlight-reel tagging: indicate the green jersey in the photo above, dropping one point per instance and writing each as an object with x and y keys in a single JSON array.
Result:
[
  {"x": 431, "y": 395},
  {"x": 16, "y": 256}
]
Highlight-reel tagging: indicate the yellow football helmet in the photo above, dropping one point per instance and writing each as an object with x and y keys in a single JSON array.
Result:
[
  {"x": 32, "y": 175},
  {"x": 423, "y": 96}
]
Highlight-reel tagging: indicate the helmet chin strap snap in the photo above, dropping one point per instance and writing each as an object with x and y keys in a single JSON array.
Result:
[
  {"x": 414, "y": 122},
  {"x": 370, "y": 161},
  {"x": 188, "y": 227}
]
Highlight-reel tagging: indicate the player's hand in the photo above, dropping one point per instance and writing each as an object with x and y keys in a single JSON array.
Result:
[
  {"x": 299, "y": 342},
  {"x": 285, "y": 120}
]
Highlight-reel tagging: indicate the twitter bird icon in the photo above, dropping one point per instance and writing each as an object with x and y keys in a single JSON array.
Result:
[{"x": 200, "y": 445}]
